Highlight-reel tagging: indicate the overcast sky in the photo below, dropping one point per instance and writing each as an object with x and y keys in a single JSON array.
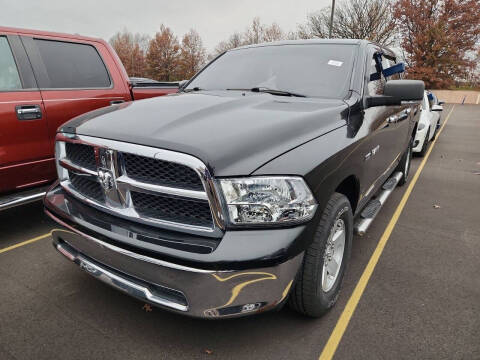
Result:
[{"x": 215, "y": 20}]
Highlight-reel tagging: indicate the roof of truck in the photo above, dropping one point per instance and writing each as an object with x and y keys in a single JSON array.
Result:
[
  {"x": 31, "y": 32},
  {"x": 307, "y": 41},
  {"x": 317, "y": 41}
]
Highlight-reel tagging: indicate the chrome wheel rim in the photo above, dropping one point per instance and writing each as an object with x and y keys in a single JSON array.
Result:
[{"x": 333, "y": 256}]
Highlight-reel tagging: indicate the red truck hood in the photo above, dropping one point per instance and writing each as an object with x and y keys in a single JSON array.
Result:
[{"x": 232, "y": 132}]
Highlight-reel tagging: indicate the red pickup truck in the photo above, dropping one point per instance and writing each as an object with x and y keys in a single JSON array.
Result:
[{"x": 45, "y": 80}]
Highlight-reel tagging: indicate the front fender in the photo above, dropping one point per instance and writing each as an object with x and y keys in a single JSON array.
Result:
[{"x": 323, "y": 162}]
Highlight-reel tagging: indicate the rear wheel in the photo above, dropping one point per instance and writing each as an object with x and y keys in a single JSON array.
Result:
[{"x": 320, "y": 278}]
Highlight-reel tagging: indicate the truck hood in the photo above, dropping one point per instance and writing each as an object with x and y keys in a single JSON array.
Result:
[{"x": 233, "y": 132}]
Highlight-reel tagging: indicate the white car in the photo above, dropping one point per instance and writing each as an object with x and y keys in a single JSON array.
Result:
[{"x": 427, "y": 125}]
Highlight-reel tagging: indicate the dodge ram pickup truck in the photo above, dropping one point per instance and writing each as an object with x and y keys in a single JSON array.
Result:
[
  {"x": 46, "y": 79},
  {"x": 242, "y": 192}
]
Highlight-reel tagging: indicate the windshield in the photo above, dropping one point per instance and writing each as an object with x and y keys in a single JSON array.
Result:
[{"x": 316, "y": 70}]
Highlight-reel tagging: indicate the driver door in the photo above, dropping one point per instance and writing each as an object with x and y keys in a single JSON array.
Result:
[{"x": 382, "y": 147}]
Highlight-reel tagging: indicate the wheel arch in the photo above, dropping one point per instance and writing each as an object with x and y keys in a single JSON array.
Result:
[{"x": 350, "y": 187}]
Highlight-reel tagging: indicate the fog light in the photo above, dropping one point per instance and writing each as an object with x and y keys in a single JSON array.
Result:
[{"x": 250, "y": 307}]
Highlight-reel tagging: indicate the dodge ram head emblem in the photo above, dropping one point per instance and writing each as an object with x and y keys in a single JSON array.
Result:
[{"x": 106, "y": 179}]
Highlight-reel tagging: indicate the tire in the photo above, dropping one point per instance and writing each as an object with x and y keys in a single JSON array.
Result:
[
  {"x": 404, "y": 164},
  {"x": 309, "y": 296},
  {"x": 425, "y": 144}
]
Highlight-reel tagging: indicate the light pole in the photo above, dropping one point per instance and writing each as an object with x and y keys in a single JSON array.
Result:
[{"x": 331, "y": 20}]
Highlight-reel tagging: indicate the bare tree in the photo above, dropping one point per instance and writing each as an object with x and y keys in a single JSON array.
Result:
[
  {"x": 354, "y": 19},
  {"x": 254, "y": 34},
  {"x": 273, "y": 33},
  {"x": 235, "y": 40},
  {"x": 258, "y": 33}
]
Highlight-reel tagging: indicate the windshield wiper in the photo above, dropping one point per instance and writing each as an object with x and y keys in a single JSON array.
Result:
[{"x": 271, "y": 91}]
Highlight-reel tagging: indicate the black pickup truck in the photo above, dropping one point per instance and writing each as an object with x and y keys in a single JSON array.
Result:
[{"x": 243, "y": 191}]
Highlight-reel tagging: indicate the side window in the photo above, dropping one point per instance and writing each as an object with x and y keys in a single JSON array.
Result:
[
  {"x": 9, "y": 77},
  {"x": 72, "y": 65},
  {"x": 375, "y": 87},
  {"x": 386, "y": 63}
]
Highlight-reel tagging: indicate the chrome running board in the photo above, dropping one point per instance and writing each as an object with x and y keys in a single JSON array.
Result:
[
  {"x": 371, "y": 210},
  {"x": 22, "y": 198}
]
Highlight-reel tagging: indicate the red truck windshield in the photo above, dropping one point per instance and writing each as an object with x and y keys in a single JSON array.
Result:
[{"x": 314, "y": 70}]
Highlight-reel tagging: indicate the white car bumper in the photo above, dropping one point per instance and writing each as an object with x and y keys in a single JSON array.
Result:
[{"x": 420, "y": 138}]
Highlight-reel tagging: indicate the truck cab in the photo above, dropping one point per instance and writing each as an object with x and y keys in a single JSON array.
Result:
[{"x": 45, "y": 80}]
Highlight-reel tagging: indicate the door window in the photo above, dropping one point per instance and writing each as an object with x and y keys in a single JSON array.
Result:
[
  {"x": 375, "y": 87},
  {"x": 9, "y": 77},
  {"x": 71, "y": 66}
]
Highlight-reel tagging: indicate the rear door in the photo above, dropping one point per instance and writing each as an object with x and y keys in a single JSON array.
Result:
[
  {"x": 74, "y": 77},
  {"x": 25, "y": 152}
]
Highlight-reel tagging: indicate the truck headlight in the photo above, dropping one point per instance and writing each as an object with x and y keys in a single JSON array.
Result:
[{"x": 268, "y": 200}]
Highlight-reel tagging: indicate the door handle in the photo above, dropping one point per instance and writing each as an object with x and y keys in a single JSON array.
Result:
[
  {"x": 28, "y": 112},
  {"x": 392, "y": 119},
  {"x": 404, "y": 114}
]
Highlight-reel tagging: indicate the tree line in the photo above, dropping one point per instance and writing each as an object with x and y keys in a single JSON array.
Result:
[{"x": 439, "y": 40}]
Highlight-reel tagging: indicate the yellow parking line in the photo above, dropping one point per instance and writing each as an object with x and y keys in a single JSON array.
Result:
[
  {"x": 24, "y": 243},
  {"x": 342, "y": 323}
]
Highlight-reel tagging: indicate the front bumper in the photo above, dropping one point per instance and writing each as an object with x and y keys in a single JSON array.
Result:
[{"x": 194, "y": 291}]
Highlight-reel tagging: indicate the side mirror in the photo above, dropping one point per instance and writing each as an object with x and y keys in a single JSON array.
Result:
[
  {"x": 441, "y": 102},
  {"x": 405, "y": 90},
  {"x": 396, "y": 91},
  {"x": 437, "y": 108}
]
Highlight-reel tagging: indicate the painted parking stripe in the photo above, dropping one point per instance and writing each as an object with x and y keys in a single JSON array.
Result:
[
  {"x": 478, "y": 98},
  {"x": 342, "y": 323},
  {"x": 24, "y": 243}
]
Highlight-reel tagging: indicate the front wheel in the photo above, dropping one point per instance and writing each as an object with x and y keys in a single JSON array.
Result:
[{"x": 319, "y": 280}]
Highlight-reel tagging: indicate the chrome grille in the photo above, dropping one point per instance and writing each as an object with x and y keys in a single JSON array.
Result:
[
  {"x": 87, "y": 186},
  {"x": 149, "y": 185},
  {"x": 82, "y": 155},
  {"x": 190, "y": 211},
  {"x": 155, "y": 171}
]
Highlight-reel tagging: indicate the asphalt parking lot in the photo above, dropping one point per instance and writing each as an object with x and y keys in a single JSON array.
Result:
[{"x": 421, "y": 301}]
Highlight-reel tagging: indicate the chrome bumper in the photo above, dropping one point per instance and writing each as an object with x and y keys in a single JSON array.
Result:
[{"x": 195, "y": 292}]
